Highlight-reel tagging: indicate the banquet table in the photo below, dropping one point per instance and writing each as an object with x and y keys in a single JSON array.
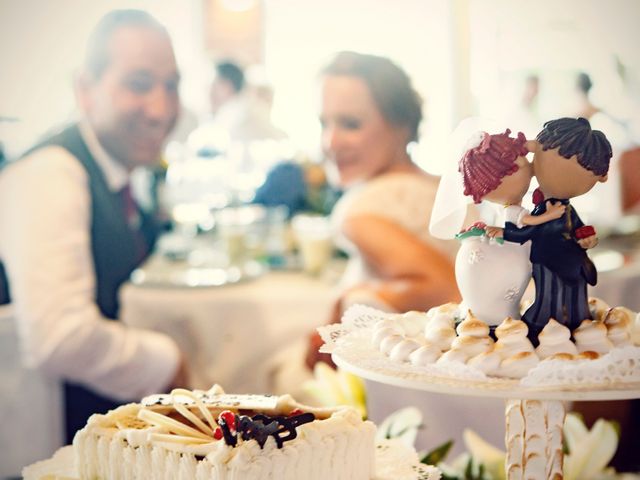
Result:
[{"x": 236, "y": 334}]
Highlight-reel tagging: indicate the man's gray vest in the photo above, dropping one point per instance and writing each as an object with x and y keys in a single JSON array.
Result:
[{"x": 114, "y": 246}]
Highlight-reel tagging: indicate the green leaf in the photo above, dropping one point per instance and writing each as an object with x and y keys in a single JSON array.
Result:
[
  {"x": 468, "y": 471},
  {"x": 438, "y": 454}
]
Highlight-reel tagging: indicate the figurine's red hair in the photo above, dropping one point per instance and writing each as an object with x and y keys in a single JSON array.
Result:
[{"x": 483, "y": 167}]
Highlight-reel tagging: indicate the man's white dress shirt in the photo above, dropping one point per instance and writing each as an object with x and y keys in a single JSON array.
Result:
[{"x": 45, "y": 245}]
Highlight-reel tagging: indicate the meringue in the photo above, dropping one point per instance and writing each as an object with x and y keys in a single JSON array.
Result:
[
  {"x": 518, "y": 365},
  {"x": 458, "y": 355},
  {"x": 562, "y": 356},
  {"x": 592, "y": 336},
  {"x": 450, "y": 310},
  {"x": 472, "y": 346},
  {"x": 619, "y": 321},
  {"x": 440, "y": 336},
  {"x": 598, "y": 308},
  {"x": 413, "y": 322},
  {"x": 487, "y": 362},
  {"x": 588, "y": 355},
  {"x": 555, "y": 338},
  {"x": 512, "y": 338},
  {"x": 401, "y": 351},
  {"x": 425, "y": 355},
  {"x": 618, "y": 316},
  {"x": 389, "y": 342},
  {"x": 472, "y": 326},
  {"x": 619, "y": 335},
  {"x": 441, "y": 320},
  {"x": 380, "y": 334}
]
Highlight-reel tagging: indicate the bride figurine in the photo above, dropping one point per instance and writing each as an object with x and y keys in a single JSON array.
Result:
[{"x": 492, "y": 275}]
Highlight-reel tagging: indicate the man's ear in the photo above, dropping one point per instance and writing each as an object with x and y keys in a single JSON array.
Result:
[{"x": 82, "y": 88}]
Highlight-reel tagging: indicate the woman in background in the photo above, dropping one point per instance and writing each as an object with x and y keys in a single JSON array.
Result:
[{"x": 370, "y": 114}]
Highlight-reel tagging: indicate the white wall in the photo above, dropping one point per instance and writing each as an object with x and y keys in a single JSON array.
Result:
[
  {"x": 555, "y": 39},
  {"x": 416, "y": 34},
  {"x": 464, "y": 56}
]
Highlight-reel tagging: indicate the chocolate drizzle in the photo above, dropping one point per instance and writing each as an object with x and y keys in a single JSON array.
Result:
[{"x": 260, "y": 427}]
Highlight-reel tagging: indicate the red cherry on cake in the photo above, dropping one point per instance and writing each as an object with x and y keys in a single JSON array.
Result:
[
  {"x": 217, "y": 433},
  {"x": 229, "y": 418}
]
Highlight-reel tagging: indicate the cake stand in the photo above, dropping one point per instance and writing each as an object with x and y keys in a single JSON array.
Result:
[{"x": 534, "y": 414}]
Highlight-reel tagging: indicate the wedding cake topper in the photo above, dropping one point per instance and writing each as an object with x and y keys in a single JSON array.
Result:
[{"x": 569, "y": 159}]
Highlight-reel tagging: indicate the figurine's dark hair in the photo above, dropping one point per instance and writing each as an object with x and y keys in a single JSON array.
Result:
[{"x": 573, "y": 136}]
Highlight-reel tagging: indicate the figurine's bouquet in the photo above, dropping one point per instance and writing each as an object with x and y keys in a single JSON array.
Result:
[{"x": 477, "y": 229}]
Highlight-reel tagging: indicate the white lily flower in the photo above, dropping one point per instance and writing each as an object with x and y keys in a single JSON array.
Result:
[
  {"x": 574, "y": 430},
  {"x": 402, "y": 424},
  {"x": 331, "y": 388},
  {"x": 484, "y": 453},
  {"x": 590, "y": 453}
]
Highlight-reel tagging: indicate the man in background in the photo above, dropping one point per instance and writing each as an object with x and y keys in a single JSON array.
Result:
[
  {"x": 71, "y": 233},
  {"x": 240, "y": 113}
]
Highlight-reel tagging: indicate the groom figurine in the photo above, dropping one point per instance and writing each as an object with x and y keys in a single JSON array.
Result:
[{"x": 569, "y": 159}]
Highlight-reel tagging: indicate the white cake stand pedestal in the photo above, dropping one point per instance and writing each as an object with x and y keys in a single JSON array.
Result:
[{"x": 534, "y": 417}]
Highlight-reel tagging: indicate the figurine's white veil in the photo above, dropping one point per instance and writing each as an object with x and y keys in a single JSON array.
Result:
[{"x": 450, "y": 206}]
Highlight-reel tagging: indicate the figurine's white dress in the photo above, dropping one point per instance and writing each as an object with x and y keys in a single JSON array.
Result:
[{"x": 492, "y": 277}]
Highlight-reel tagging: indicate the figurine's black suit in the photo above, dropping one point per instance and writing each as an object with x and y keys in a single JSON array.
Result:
[{"x": 561, "y": 269}]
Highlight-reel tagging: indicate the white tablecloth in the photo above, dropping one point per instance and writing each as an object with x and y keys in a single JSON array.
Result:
[{"x": 232, "y": 334}]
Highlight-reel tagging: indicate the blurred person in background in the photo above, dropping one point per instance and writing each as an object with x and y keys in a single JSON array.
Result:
[
  {"x": 239, "y": 133},
  {"x": 72, "y": 233},
  {"x": 524, "y": 118},
  {"x": 240, "y": 113},
  {"x": 369, "y": 115},
  {"x": 603, "y": 206}
]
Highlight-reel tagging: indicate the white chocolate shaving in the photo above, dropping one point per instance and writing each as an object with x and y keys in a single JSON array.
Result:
[{"x": 170, "y": 424}]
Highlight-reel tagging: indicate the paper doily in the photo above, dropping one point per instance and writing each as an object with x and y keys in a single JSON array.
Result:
[
  {"x": 614, "y": 375},
  {"x": 393, "y": 461}
]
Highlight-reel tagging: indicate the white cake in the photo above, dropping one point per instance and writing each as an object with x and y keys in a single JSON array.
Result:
[{"x": 210, "y": 435}]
